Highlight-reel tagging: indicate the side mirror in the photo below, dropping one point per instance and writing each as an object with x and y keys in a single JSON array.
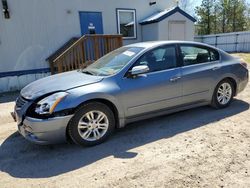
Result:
[{"x": 140, "y": 69}]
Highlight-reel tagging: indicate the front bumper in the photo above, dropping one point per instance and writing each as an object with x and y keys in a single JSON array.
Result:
[{"x": 44, "y": 131}]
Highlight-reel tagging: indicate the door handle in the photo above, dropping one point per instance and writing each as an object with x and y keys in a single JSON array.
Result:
[
  {"x": 216, "y": 68},
  {"x": 175, "y": 78}
]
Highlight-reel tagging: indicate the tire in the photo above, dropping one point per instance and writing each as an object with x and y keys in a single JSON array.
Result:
[
  {"x": 223, "y": 97},
  {"x": 89, "y": 120}
]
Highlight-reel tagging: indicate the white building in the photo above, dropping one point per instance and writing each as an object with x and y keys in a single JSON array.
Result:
[{"x": 37, "y": 28}]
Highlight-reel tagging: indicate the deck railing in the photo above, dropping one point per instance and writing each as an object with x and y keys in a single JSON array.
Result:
[{"x": 85, "y": 51}]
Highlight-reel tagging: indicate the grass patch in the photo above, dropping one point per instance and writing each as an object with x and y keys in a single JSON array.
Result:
[{"x": 244, "y": 56}]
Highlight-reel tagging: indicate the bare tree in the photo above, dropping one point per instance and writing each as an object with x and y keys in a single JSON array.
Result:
[{"x": 186, "y": 5}]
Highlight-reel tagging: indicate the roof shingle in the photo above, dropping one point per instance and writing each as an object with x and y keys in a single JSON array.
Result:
[{"x": 159, "y": 16}]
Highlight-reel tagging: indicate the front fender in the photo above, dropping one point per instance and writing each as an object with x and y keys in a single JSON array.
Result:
[{"x": 78, "y": 96}]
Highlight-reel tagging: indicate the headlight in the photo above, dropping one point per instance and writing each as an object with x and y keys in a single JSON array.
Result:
[{"x": 48, "y": 104}]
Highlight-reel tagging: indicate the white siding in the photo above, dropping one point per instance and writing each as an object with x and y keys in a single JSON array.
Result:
[
  {"x": 37, "y": 28},
  {"x": 15, "y": 83},
  {"x": 160, "y": 30},
  {"x": 164, "y": 24},
  {"x": 150, "y": 32}
]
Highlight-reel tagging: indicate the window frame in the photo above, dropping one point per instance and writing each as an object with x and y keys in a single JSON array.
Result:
[
  {"x": 197, "y": 46},
  {"x": 211, "y": 50},
  {"x": 118, "y": 10},
  {"x": 178, "y": 63}
]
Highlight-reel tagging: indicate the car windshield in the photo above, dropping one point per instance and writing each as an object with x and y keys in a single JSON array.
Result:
[{"x": 113, "y": 62}]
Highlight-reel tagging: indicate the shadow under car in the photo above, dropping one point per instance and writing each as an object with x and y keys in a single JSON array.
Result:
[{"x": 21, "y": 159}]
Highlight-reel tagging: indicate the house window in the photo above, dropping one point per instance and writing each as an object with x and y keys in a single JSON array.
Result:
[{"x": 126, "y": 19}]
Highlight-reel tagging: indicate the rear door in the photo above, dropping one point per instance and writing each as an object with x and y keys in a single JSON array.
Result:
[{"x": 201, "y": 67}]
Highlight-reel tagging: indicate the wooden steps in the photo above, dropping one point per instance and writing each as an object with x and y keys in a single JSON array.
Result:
[{"x": 79, "y": 53}]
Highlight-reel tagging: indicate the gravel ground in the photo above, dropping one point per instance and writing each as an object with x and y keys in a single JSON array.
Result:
[{"x": 200, "y": 147}]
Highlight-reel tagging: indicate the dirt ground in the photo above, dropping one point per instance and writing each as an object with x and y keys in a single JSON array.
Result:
[
  {"x": 244, "y": 56},
  {"x": 201, "y": 147}
]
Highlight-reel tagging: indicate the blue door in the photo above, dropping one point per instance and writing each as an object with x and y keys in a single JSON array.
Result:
[{"x": 91, "y": 20}]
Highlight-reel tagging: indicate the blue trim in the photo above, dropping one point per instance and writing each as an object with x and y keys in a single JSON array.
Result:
[
  {"x": 23, "y": 72},
  {"x": 171, "y": 12}
]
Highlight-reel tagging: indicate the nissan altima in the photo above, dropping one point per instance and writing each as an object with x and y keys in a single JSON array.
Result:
[{"x": 132, "y": 83}]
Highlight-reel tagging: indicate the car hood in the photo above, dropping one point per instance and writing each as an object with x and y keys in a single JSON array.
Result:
[{"x": 58, "y": 82}]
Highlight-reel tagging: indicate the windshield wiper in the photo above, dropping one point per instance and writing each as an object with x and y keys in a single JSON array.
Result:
[{"x": 87, "y": 72}]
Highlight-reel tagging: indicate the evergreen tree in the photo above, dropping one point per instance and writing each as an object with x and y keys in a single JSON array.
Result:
[
  {"x": 204, "y": 13},
  {"x": 216, "y": 16}
]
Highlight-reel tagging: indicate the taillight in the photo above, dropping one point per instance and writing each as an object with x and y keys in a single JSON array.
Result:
[{"x": 243, "y": 63}]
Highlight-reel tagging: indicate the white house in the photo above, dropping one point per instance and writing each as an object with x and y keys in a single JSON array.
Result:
[{"x": 31, "y": 30}]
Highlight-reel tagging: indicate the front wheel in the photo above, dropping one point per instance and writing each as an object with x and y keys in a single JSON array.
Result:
[
  {"x": 91, "y": 124},
  {"x": 223, "y": 94}
]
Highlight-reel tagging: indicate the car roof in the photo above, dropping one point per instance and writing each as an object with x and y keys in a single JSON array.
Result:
[{"x": 152, "y": 44}]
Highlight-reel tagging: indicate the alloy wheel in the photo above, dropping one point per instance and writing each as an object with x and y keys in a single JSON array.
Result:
[
  {"x": 93, "y": 125},
  {"x": 224, "y": 93}
]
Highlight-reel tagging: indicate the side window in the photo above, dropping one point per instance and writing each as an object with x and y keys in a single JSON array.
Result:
[
  {"x": 159, "y": 54},
  {"x": 159, "y": 59},
  {"x": 214, "y": 55},
  {"x": 194, "y": 55}
]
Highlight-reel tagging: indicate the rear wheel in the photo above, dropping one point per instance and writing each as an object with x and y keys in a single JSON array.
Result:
[
  {"x": 91, "y": 124},
  {"x": 223, "y": 94}
]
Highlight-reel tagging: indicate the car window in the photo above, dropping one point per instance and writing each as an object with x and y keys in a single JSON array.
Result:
[
  {"x": 214, "y": 55},
  {"x": 159, "y": 59},
  {"x": 195, "y": 55},
  {"x": 113, "y": 62},
  {"x": 159, "y": 54}
]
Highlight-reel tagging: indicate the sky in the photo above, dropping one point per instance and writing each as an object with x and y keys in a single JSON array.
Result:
[{"x": 195, "y": 3}]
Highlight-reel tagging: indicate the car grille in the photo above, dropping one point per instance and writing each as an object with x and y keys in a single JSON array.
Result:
[{"x": 20, "y": 102}]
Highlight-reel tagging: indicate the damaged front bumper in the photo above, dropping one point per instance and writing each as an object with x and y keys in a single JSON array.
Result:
[{"x": 43, "y": 131}]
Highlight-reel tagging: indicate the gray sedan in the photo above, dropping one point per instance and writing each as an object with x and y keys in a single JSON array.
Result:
[{"x": 132, "y": 83}]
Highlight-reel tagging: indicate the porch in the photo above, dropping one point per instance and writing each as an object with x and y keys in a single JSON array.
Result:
[{"x": 82, "y": 52}]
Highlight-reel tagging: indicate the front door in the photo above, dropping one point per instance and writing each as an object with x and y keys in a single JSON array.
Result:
[
  {"x": 158, "y": 89},
  {"x": 91, "y": 23}
]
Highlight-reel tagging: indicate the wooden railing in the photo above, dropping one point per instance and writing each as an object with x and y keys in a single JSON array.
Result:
[{"x": 85, "y": 51}]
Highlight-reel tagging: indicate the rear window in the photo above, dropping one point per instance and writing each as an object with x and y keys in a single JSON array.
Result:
[{"x": 197, "y": 54}]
